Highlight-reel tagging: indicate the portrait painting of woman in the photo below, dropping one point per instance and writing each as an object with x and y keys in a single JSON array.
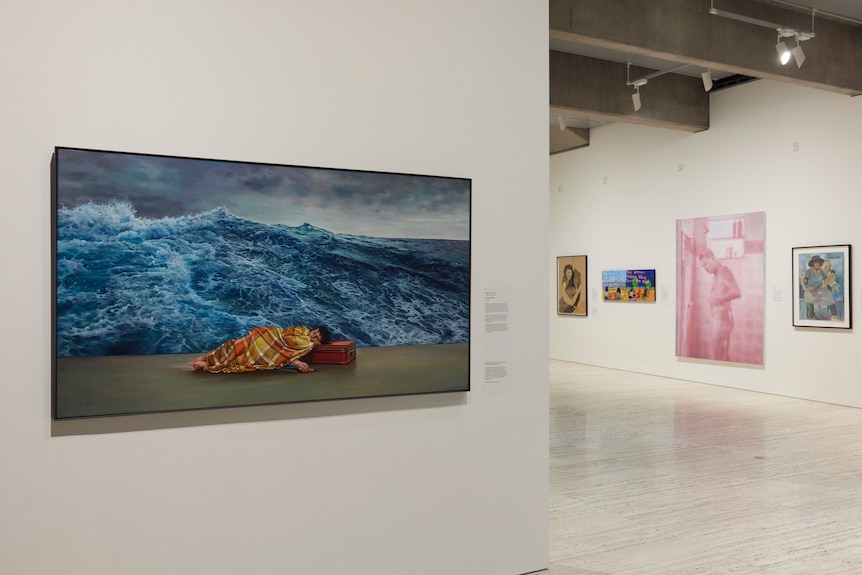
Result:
[{"x": 571, "y": 285}]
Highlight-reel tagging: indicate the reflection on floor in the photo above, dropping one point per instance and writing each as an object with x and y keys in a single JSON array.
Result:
[{"x": 659, "y": 476}]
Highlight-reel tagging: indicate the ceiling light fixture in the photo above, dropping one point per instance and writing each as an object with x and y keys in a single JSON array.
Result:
[
  {"x": 636, "y": 97},
  {"x": 707, "y": 80},
  {"x": 782, "y": 49},
  {"x": 797, "y": 52},
  {"x": 562, "y": 121},
  {"x": 784, "y": 53}
]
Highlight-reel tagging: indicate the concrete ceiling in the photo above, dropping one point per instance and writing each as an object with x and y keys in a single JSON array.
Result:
[{"x": 597, "y": 46}]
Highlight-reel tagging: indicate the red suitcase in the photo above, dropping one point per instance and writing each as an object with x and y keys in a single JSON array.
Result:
[{"x": 338, "y": 351}]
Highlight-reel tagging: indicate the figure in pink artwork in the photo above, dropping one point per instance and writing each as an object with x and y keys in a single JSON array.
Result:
[{"x": 722, "y": 292}]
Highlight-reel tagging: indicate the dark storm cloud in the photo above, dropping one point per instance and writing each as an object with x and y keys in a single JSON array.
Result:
[
  {"x": 361, "y": 203},
  {"x": 264, "y": 183}
]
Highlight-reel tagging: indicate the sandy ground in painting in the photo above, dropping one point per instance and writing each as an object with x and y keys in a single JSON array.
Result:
[{"x": 115, "y": 385}]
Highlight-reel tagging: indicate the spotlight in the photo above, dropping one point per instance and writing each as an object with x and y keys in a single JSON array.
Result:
[
  {"x": 798, "y": 55},
  {"x": 797, "y": 52},
  {"x": 636, "y": 97},
  {"x": 707, "y": 81},
  {"x": 783, "y": 52}
]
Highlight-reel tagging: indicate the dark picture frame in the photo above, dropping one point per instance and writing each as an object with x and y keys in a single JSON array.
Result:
[
  {"x": 822, "y": 286},
  {"x": 158, "y": 259},
  {"x": 572, "y": 297}
]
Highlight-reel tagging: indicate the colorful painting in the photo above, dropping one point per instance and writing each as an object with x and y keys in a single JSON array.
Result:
[
  {"x": 572, "y": 285},
  {"x": 160, "y": 259},
  {"x": 821, "y": 286},
  {"x": 720, "y": 288},
  {"x": 628, "y": 285}
]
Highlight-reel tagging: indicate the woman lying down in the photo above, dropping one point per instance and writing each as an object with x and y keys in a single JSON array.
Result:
[{"x": 263, "y": 348}]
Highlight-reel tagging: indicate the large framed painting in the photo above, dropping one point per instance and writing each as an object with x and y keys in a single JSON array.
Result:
[
  {"x": 186, "y": 283},
  {"x": 821, "y": 286},
  {"x": 572, "y": 286},
  {"x": 720, "y": 288},
  {"x": 628, "y": 285}
]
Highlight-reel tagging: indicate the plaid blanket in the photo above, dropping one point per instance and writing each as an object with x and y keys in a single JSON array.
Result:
[{"x": 267, "y": 347}]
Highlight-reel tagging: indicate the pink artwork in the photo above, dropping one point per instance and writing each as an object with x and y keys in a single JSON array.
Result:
[{"x": 719, "y": 288}]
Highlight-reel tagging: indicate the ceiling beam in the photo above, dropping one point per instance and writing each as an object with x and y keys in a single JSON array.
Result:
[
  {"x": 589, "y": 87},
  {"x": 684, "y": 31}
]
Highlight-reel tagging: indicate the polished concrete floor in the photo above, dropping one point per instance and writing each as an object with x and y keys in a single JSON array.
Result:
[{"x": 651, "y": 475}]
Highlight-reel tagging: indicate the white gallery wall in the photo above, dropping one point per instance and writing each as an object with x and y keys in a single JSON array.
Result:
[
  {"x": 450, "y": 483},
  {"x": 789, "y": 151}
]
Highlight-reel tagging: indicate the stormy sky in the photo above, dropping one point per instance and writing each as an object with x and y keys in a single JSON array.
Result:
[{"x": 341, "y": 201}]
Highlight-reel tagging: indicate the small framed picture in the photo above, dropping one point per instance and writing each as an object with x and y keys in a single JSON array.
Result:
[
  {"x": 628, "y": 285},
  {"x": 821, "y": 286},
  {"x": 572, "y": 285}
]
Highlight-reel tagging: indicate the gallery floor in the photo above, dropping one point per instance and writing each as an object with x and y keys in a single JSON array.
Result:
[{"x": 658, "y": 476}]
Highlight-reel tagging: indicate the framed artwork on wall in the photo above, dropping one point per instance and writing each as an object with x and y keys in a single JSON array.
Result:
[
  {"x": 572, "y": 286},
  {"x": 628, "y": 285},
  {"x": 821, "y": 286},
  {"x": 720, "y": 287},
  {"x": 186, "y": 283}
]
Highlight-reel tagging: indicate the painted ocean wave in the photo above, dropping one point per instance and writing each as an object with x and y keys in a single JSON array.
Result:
[{"x": 133, "y": 286}]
